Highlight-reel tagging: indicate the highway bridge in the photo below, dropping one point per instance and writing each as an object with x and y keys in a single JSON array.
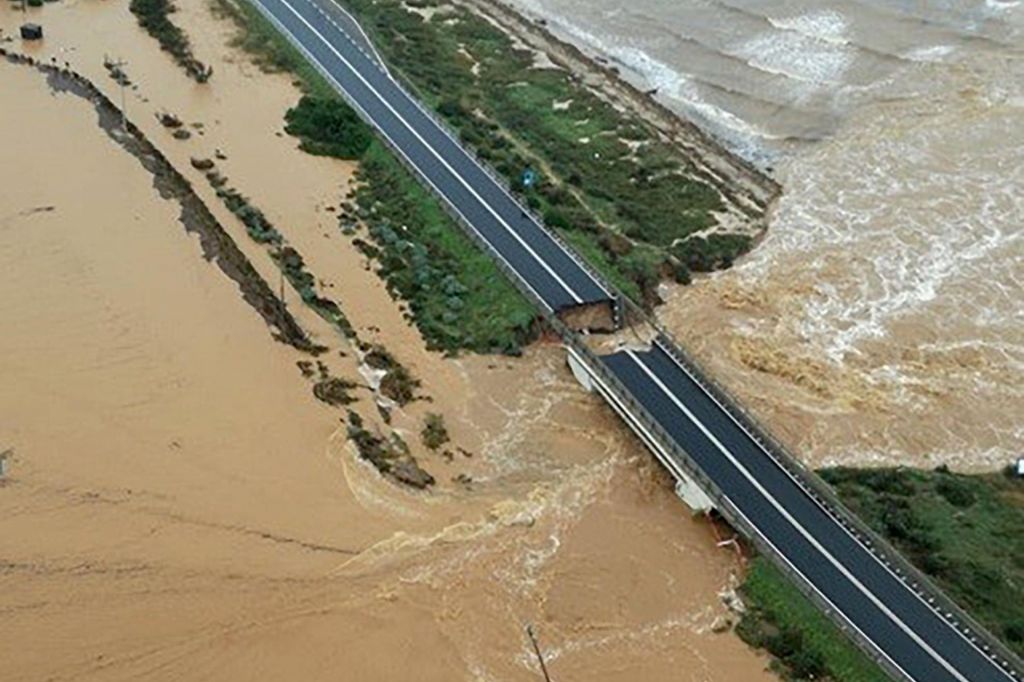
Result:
[{"x": 691, "y": 425}]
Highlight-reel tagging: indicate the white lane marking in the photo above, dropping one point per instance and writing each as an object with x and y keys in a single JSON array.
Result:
[
  {"x": 833, "y": 516},
  {"x": 803, "y": 531},
  {"x": 295, "y": 41},
  {"x": 498, "y": 182},
  {"x": 438, "y": 156},
  {"x": 447, "y": 133},
  {"x": 673, "y": 466},
  {"x": 359, "y": 27}
]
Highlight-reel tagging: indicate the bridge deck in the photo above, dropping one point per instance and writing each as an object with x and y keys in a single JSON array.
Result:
[
  {"x": 815, "y": 545},
  {"x": 894, "y": 620},
  {"x": 555, "y": 276}
]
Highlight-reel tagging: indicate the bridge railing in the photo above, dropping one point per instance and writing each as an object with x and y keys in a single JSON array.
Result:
[
  {"x": 680, "y": 461},
  {"x": 413, "y": 93},
  {"x": 817, "y": 488},
  {"x": 824, "y": 495}
]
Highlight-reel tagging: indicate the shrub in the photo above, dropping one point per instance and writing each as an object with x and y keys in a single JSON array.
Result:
[
  {"x": 434, "y": 433},
  {"x": 326, "y": 126}
]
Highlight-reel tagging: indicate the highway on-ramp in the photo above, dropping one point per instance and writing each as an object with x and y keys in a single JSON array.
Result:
[{"x": 897, "y": 622}]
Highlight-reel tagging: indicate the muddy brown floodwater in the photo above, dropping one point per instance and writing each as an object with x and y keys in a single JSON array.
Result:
[
  {"x": 180, "y": 507},
  {"x": 880, "y": 320}
]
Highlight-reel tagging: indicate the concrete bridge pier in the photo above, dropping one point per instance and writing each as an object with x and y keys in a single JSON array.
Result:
[{"x": 686, "y": 488}]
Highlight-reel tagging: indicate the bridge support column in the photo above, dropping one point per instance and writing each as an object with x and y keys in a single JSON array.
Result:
[
  {"x": 581, "y": 374},
  {"x": 686, "y": 488},
  {"x": 691, "y": 493}
]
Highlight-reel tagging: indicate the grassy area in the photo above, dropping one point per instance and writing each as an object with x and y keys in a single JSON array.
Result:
[
  {"x": 602, "y": 178},
  {"x": 457, "y": 297},
  {"x": 803, "y": 641},
  {"x": 965, "y": 532},
  {"x": 153, "y": 15}
]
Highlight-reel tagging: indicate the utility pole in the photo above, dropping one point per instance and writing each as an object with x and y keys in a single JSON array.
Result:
[{"x": 536, "y": 650}]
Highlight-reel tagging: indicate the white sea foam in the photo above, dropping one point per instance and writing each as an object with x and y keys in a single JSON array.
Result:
[
  {"x": 928, "y": 53},
  {"x": 825, "y": 25},
  {"x": 796, "y": 56}
]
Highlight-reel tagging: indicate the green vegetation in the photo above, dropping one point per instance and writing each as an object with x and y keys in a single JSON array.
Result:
[
  {"x": 434, "y": 433},
  {"x": 290, "y": 261},
  {"x": 294, "y": 269},
  {"x": 604, "y": 180},
  {"x": 804, "y": 642},
  {"x": 327, "y": 127},
  {"x": 334, "y": 391},
  {"x": 256, "y": 224},
  {"x": 389, "y": 455},
  {"x": 457, "y": 297},
  {"x": 153, "y": 16},
  {"x": 965, "y": 532}
]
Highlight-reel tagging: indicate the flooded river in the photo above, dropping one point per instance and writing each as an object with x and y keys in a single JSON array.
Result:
[
  {"x": 178, "y": 504},
  {"x": 880, "y": 321}
]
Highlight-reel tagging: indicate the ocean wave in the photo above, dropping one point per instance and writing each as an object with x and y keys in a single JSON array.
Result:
[
  {"x": 826, "y": 26},
  {"x": 798, "y": 57},
  {"x": 929, "y": 53}
]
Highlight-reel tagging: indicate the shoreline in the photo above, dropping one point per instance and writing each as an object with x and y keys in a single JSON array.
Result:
[{"x": 718, "y": 165}]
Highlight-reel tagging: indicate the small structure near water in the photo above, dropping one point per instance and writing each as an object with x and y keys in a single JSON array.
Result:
[{"x": 31, "y": 32}]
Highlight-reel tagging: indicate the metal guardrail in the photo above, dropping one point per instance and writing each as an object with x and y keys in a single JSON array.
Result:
[
  {"x": 683, "y": 460},
  {"x": 824, "y": 495},
  {"x": 417, "y": 97},
  {"x": 813, "y": 485}
]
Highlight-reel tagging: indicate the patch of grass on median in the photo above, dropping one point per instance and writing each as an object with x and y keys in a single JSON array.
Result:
[
  {"x": 603, "y": 179},
  {"x": 457, "y": 296},
  {"x": 965, "y": 532}
]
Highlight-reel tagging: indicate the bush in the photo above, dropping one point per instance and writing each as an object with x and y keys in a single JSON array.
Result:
[
  {"x": 434, "y": 433},
  {"x": 152, "y": 15},
  {"x": 328, "y": 127}
]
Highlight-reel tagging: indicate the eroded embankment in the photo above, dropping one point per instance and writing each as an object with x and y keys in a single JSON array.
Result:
[{"x": 195, "y": 217}]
